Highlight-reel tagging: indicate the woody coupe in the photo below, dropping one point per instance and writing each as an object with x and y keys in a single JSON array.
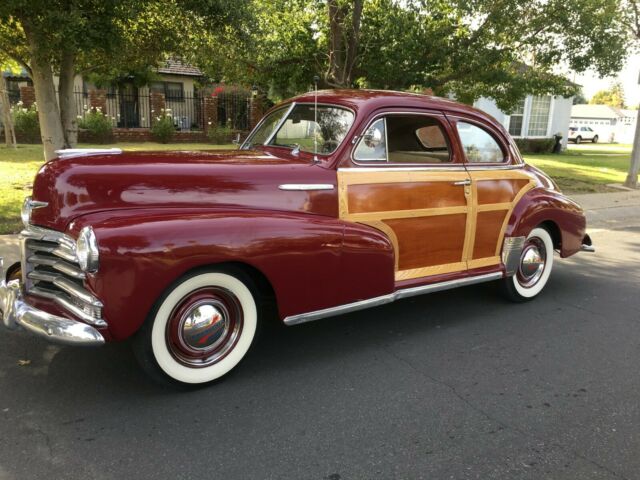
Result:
[{"x": 337, "y": 201}]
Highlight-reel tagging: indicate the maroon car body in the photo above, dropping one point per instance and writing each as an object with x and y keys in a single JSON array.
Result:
[{"x": 157, "y": 216}]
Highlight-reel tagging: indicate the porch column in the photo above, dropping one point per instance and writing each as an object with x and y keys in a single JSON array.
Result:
[
  {"x": 158, "y": 105},
  {"x": 27, "y": 96},
  {"x": 256, "y": 110},
  {"x": 210, "y": 113},
  {"x": 98, "y": 100}
]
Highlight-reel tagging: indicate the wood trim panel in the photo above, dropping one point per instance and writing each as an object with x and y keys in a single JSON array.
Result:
[
  {"x": 418, "y": 181},
  {"x": 395, "y": 214},
  {"x": 428, "y": 271}
]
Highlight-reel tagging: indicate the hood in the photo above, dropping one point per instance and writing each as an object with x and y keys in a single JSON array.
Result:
[{"x": 179, "y": 179}]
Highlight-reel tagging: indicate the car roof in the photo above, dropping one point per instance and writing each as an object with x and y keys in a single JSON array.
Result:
[{"x": 366, "y": 101}]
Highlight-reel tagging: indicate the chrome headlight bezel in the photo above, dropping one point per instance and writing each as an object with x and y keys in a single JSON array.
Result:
[{"x": 87, "y": 250}]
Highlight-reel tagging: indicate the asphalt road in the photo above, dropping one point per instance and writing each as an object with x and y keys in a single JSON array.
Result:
[{"x": 457, "y": 384}]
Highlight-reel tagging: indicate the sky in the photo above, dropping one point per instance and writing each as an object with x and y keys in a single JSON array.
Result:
[{"x": 591, "y": 83}]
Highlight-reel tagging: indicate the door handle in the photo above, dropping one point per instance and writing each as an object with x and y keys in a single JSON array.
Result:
[{"x": 463, "y": 183}]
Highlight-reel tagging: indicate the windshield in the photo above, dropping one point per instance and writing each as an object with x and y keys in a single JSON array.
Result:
[{"x": 319, "y": 131}]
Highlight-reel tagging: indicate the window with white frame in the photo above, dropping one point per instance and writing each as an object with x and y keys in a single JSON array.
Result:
[
  {"x": 539, "y": 118},
  {"x": 516, "y": 119}
]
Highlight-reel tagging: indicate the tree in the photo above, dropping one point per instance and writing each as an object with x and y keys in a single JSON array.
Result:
[
  {"x": 504, "y": 49},
  {"x": 614, "y": 96},
  {"x": 631, "y": 9},
  {"x": 579, "y": 98},
  {"x": 72, "y": 36},
  {"x": 7, "y": 67}
]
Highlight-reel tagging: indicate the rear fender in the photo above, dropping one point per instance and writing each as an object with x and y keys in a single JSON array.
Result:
[{"x": 541, "y": 205}]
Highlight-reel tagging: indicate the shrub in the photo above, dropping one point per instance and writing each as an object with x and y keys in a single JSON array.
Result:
[
  {"x": 535, "y": 145},
  {"x": 98, "y": 127},
  {"x": 220, "y": 134},
  {"x": 25, "y": 122},
  {"x": 163, "y": 129}
]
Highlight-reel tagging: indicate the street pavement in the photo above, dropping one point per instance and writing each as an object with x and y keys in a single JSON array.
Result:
[{"x": 452, "y": 385}]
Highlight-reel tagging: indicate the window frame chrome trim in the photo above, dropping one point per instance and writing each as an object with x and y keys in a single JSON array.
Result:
[
  {"x": 284, "y": 119},
  {"x": 438, "y": 114}
]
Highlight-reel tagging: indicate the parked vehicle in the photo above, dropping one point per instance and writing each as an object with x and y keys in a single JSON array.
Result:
[
  {"x": 335, "y": 202},
  {"x": 582, "y": 134}
]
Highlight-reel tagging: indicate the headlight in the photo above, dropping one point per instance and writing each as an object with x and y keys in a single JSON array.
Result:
[{"x": 87, "y": 250}]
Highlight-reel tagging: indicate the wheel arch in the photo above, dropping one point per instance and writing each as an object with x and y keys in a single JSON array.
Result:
[{"x": 561, "y": 216}]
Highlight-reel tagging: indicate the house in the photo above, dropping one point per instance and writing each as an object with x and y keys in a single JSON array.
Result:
[
  {"x": 535, "y": 116},
  {"x": 610, "y": 123}
]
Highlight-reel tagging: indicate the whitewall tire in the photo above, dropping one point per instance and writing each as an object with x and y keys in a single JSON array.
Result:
[
  {"x": 534, "y": 267},
  {"x": 200, "y": 330}
]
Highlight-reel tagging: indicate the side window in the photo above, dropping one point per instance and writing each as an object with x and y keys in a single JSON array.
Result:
[
  {"x": 479, "y": 146},
  {"x": 373, "y": 144},
  {"x": 405, "y": 139}
]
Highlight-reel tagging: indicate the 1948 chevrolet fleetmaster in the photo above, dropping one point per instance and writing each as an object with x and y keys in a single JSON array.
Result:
[{"x": 337, "y": 201}]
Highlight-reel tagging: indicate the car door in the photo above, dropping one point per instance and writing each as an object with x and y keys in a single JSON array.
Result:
[
  {"x": 406, "y": 178},
  {"x": 498, "y": 182}
]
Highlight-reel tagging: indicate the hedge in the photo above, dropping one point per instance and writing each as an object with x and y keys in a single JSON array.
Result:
[{"x": 535, "y": 145}]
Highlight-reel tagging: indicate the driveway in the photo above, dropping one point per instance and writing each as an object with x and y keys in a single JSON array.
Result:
[{"x": 457, "y": 384}]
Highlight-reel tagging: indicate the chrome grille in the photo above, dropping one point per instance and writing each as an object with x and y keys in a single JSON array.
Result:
[{"x": 50, "y": 270}]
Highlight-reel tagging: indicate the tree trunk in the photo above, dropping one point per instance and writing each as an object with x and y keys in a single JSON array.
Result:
[
  {"x": 7, "y": 120},
  {"x": 66, "y": 100},
  {"x": 634, "y": 166},
  {"x": 48, "y": 110},
  {"x": 344, "y": 37}
]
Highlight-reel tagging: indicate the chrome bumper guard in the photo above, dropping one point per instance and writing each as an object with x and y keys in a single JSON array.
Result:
[{"x": 15, "y": 313}]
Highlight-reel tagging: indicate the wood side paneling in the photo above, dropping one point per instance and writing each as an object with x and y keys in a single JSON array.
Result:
[
  {"x": 499, "y": 190},
  {"x": 404, "y": 196},
  {"x": 488, "y": 226},
  {"x": 435, "y": 227},
  {"x": 425, "y": 242}
]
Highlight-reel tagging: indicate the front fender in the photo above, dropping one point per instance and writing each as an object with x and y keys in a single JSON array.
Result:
[
  {"x": 142, "y": 252},
  {"x": 546, "y": 205}
]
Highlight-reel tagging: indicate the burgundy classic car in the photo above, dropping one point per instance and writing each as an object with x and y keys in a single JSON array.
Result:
[{"x": 336, "y": 201}]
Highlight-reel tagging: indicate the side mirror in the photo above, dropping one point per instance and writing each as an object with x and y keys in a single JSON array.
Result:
[
  {"x": 373, "y": 137},
  {"x": 236, "y": 141}
]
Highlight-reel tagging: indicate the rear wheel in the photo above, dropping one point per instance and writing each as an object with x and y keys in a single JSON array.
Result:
[
  {"x": 200, "y": 330},
  {"x": 578, "y": 140},
  {"x": 534, "y": 269},
  {"x": 595, "y": 139}
]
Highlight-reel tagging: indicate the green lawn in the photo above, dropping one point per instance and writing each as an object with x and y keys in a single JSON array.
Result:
[
  {"x": 586, "y": 168},
  {"x": 19, "y": 166},
  {"x": 582, "y": 168}
]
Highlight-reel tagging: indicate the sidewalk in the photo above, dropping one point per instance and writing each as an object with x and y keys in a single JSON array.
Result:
[
  {"x": 604, "y": 211},
  {"x": 611, "y": 210}
]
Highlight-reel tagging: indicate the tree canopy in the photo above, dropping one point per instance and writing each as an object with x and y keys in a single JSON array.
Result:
[
  {"x": 503, "y": 49},
  {"x": 614, "y": 96}
]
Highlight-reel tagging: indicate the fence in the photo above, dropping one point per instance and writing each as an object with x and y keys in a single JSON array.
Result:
[{"x": 138, "y": 108}]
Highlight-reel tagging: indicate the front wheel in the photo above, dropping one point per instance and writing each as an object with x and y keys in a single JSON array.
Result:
[
  {"x": 200, "y": 330},
  {"x": 534, "y": 268}
]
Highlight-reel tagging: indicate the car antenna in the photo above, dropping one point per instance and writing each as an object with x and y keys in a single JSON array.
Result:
[{"x": 315, "y": 117}]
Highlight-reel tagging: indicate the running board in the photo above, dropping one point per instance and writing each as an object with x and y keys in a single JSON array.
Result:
[{"x": 391, "y": 297}]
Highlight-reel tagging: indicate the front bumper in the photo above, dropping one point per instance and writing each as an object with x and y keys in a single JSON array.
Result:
[{"x": 15, "y": 313}]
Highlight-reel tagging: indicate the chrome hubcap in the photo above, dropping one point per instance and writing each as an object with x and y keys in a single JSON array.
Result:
[
  {"x": 532, "y": 263},
  {"x": 205, "y": 326}
]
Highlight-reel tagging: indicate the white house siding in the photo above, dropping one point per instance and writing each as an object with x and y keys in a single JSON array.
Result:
[{"x": 556, "y": 121}]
